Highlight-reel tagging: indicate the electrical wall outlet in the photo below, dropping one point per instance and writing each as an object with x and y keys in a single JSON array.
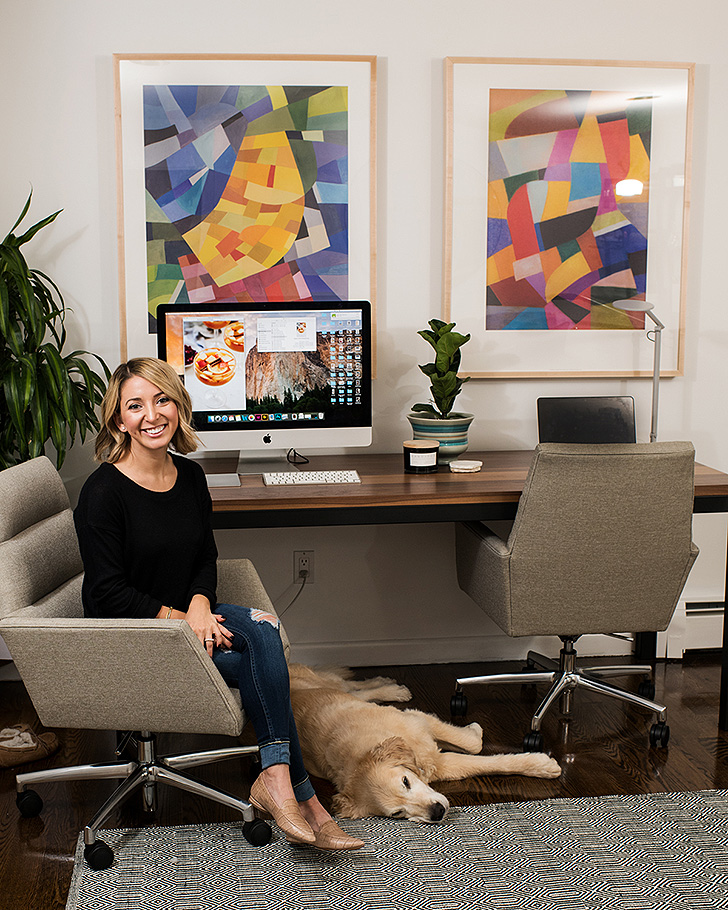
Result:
[{"x": 303, "y": 565}]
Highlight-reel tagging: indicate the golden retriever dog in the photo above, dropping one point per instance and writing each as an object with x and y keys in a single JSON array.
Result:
[{"x": 382, "y": 759}]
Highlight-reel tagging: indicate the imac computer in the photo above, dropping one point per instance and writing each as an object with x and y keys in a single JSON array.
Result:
[{"x": 265, "y": 378}]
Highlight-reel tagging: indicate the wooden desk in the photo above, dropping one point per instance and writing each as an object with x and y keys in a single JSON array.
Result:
[{"x": 387, "y": 495}]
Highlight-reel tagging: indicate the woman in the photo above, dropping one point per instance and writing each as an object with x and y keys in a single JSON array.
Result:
[{"x": 144, "y": 524}]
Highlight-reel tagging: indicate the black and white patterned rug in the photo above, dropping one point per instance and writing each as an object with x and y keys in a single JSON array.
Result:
[{"x": 646, "y": 852}]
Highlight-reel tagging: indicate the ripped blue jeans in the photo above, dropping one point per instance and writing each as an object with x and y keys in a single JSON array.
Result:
[{"x": 256, "y": 664}]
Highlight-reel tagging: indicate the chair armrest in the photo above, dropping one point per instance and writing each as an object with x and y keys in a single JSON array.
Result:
[
  {"x": 492, "y": 543},
  {"x": 483, "y": 569},
  {"x": 239, "y": 583},
  {"x": 120, "y": 674}
]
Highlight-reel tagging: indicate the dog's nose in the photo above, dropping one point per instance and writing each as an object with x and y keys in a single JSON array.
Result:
[{"x": 437, "y": 812}]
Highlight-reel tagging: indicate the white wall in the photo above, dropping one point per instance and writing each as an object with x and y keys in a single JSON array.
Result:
[{"x": 385, "y": 593}]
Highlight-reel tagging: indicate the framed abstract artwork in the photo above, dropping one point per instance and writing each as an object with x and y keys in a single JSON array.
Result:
[
  {"x": 242, "y": 178},
  {"x": 566, "y": 197}
]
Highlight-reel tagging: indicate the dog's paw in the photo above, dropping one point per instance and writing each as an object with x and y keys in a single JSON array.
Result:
[
  {"x": 477, "y": 737},
  {"x": 538, "y": 764},
  {"x": 394, "y": 692}
]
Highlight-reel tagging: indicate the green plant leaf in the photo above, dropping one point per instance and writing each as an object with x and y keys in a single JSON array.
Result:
[
  {"x": 31, "y": 232},
  {"x": 22, "y": 215},
  {"x": 447, "y": 349},
  {"x": 14, "y": 395},
  {"x": 68, "y": 389},
  {"x": 444, "y": 390},
  {"x": 40, "y": 278},
  {"x": 430, "y": 337},
  {"x": 78, "y": 406},
  {"x": 54, "y": 369},
  {"x": 20, "y": 290},
  {"x": 445, "y": 385},
  {"x": 39, "y": 414},
  {"x": 426, "y": 409},
  {"x": 14, "y": 338},
  {"x": 97, "y": 380},
  {"x": 440, "y": 327},
  {"x": 58, "y": 435},
  {"x": 27, "y": 367},
  {"x": 53, "y": 313},
  {"x": 48, "y": 309},
  {"x": 4, "y": 307}
]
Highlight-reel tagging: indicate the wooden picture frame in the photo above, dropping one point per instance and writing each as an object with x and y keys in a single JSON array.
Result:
[
  {"x": 243, "y": 175},
  {"x": 494, "y": 290}
]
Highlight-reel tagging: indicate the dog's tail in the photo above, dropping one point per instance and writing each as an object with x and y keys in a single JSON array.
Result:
[{"x": 303, "y": 677}]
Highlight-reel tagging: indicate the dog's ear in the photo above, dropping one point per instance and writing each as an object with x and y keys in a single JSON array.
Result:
[
  {"x": 394, "y": 750},
  {"x": 345, "y": 807}
]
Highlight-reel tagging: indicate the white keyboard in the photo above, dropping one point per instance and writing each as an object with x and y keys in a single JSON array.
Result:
[{"x": 294, "y": 478}]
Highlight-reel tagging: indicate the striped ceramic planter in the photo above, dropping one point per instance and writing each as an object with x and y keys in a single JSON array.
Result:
[{"x": 452, "y": 434}]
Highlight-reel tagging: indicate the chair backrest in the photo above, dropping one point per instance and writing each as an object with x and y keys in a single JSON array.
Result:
[
  {"x": 40, "y": 563},
  {"x": 590, "y": 419},
  {"x": 602, "y": 540}
]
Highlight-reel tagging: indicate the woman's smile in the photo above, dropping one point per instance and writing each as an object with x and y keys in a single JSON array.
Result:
[{"x": 155, "y": 431}]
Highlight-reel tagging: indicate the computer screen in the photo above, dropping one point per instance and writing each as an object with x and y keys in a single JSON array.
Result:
[
  {"x": 273, "y": 376},
  {"x": 587, "y": 419}
]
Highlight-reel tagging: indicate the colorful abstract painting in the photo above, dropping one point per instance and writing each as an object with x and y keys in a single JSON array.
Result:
[
  {"x": 247, "y": 193},
  {"x": 568, "y": 205}
]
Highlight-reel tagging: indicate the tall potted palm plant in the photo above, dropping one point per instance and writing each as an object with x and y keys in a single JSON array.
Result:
[{"x": 46, "y": 395}]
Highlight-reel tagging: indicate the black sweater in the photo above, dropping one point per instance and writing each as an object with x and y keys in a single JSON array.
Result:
[{"x": 142, "y": 550}]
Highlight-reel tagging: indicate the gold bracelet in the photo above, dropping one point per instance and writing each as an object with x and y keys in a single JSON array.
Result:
[{"x": 169, "y": 613}]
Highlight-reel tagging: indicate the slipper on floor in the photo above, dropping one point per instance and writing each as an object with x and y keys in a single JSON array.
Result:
[{"x": 20, "y": 744}]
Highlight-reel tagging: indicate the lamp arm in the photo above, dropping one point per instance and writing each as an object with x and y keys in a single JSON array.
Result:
[{"x": 657, "y": 340}]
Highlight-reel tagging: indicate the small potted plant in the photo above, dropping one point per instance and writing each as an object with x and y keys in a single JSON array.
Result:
[{"x": 437, "y": 420}]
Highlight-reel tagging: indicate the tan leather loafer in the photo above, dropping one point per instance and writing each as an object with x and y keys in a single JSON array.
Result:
[
  {"x": 20, "y": 744},
  {"x": 287, "y": 816},
  {"x": 330, "y": 837}
]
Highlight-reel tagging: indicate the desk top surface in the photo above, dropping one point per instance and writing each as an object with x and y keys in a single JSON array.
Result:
[{"x": 384, "y": 484}]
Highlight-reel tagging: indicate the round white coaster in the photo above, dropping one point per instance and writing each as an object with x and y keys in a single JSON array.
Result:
[{"x": 465, "y": 467}]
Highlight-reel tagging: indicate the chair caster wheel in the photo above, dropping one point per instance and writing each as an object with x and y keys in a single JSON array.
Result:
[
  {"x": 533, "y": 741},
  {"x": 98, "y": 855},
  {"x": 659, "y": 735},
  {"x": 257, "y": 833},
  {"x": 646, "y": 689},
  {"x": 459, "y": 705},
  {"x": 29, "y": 803}
]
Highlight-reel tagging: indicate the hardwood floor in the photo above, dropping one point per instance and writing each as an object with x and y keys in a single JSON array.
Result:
[{"x": 604, "y": 749}]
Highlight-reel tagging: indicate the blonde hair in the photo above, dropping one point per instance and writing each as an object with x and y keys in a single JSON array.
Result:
[{"x": 112, "y": 444}]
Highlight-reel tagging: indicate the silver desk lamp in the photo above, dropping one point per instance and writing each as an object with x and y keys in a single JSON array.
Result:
[{"x": 655, "y": 335}]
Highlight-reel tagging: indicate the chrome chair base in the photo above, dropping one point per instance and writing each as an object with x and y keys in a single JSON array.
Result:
[
  {"x": 142, "y": 773},
  {"x": 563, "y": 678}
]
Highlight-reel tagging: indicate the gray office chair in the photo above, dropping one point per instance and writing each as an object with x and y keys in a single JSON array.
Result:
[
  {"x": 602, "y": 542},
  {"x": 106, "y": 674}
]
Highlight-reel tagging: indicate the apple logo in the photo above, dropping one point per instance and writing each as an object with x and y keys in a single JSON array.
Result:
[{"x": 266, "y": 439}]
